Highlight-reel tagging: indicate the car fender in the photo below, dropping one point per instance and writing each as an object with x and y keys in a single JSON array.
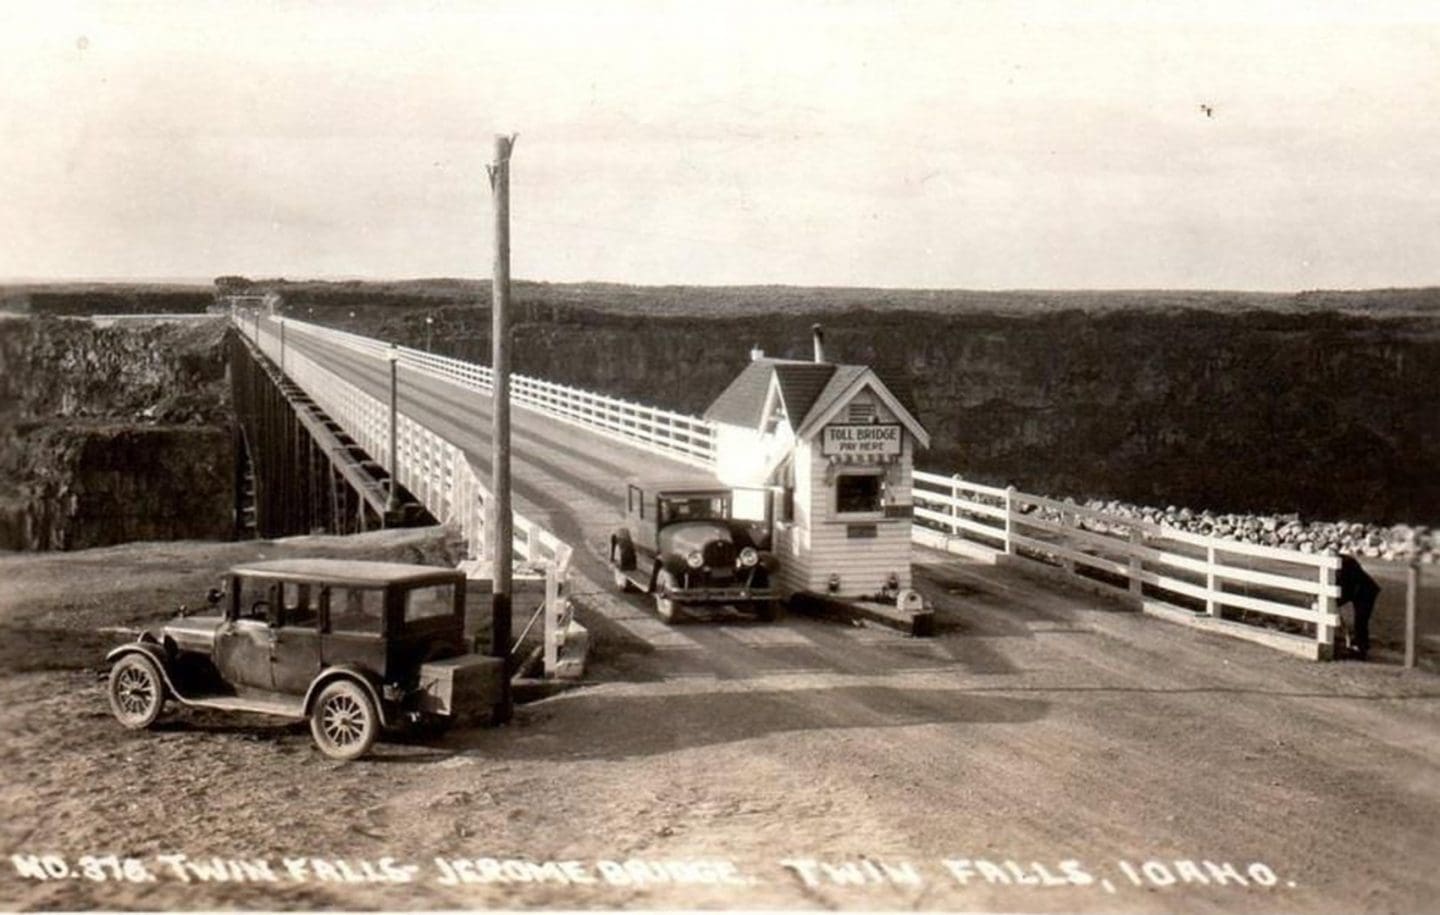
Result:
[
  {"x": 345, "y": 672},
  {"x": 151, "y": 650},
  {"x": 673, "y": 563},
  {"x": 620, "y": 541}
]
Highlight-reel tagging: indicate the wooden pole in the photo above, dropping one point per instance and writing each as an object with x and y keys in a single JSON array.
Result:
[{"x": 500, "y": 520}]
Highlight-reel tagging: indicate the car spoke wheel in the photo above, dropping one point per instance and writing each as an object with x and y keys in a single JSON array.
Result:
[
  {"x": 622, "y": 581},
  {"x": 137, "y": 692},
  {"x": 344, "y": 722},
  {"x": 664, "y": 605}
]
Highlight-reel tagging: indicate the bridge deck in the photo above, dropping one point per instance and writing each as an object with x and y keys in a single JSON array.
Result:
[{"x": 567, "y": 479}]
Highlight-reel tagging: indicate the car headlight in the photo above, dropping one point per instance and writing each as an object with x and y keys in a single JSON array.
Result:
[
  {"x": 748, "y": 556},
  {"x": 694, "y": 560}
]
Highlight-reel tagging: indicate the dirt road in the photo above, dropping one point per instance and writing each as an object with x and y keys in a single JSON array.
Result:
[{"x": 1044, "y": 752}]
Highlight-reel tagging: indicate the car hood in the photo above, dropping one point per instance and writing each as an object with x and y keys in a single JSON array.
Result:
[
  {"x": 687, "y": 536},
  {"x": 192, "y": 633}
]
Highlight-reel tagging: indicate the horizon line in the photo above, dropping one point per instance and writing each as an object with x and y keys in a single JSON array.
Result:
[{"x": 1017, "y": 290}]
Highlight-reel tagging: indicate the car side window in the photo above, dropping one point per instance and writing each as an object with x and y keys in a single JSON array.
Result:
[
  {"x": 300, "y": 607},
  {"x": 424, "y": 603},
  {"x": 254, "y": 599},
  {"x": 357, "y": 610}
]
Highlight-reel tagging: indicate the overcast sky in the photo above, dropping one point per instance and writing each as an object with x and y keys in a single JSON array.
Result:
[{"x": 975, "y": 145}]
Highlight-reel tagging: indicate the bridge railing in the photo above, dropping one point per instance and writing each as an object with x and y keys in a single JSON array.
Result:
[
  {"x": 1162, "y": 567},
  {"x": 686, "y": 438},
  {"x": 434, "y": 470}
]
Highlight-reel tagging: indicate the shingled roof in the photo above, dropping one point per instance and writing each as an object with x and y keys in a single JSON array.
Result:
[
  {"x": 808, "y": 389},
  {"x": 743, "y": 402}
]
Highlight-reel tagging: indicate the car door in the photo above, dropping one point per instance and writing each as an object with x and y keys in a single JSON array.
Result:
[
  {"x": 242, "y": 643},
  {"x": 295, "y": 643}
]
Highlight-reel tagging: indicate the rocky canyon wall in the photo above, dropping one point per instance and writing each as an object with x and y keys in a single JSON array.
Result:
[
  {"x": 113, "y": 433},
  {"x": 1328, "y": 413}
]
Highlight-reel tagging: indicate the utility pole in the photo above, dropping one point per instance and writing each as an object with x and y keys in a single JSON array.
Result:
[{"x": 499, "y": 521}]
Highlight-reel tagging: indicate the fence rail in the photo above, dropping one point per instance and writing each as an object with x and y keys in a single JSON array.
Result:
[
  {"x": 433, "y": 469},
  {"x": 686, "y": 438},
  {"x": 1155, "y": 564}
]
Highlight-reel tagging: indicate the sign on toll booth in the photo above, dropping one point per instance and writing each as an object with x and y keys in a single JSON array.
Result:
[
  {"x": 835, "y": 445},
  {"x": 845, "y": 440}
]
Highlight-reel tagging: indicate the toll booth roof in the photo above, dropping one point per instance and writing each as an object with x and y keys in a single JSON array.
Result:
[{"x": 809, "y": 391}]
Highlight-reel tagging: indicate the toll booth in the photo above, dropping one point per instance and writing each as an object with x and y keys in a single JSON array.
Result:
[{"x": 835, "y": 445}]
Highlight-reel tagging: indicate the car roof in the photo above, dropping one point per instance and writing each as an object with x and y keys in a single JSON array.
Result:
[
  {"x": 349, "y": 572},
  {"x": 679, "y": 483}
]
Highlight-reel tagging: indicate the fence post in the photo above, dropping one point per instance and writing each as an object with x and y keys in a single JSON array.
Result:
[
  {"x": 1212, "y": 607},
  {"x": 1009, "y": 520},
  {"x": 955, "y": 481},
  {"x": 1137, "y": 540},
  {"x": 1067, "y": 519},
  {"x": 1324, "y": 631},
  {"x": 553, "y": 631},
  {"x": 1412, "y": 594}
]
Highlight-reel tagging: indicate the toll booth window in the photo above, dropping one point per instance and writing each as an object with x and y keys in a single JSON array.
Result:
[
  {"x": 785, "y": 505},
  {"x": 427, "y": 603},
  {"x": 635, "y": 501},
  {"x": 857, "y": 493},
  {"x": 357, "y": 610},
  {"x": 299, "y": 607}
]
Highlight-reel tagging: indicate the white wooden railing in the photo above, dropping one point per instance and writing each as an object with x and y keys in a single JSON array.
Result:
[
  {"x": 1152, "y": 563},
  {"x": 1157, "y": 565},
  {"x": 676, "y": 435},
  {"x": 435, "y": 471}
]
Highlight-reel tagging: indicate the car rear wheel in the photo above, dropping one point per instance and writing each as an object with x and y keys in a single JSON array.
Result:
[
  {"x": 137, "y": 691},
  {"x": 344, "y": 722},
  {"x": 664, "y": 604}
]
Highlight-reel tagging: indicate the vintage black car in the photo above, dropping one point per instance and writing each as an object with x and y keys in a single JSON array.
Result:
[
  {"x": 352, "y": 646},
  {"x": 684, "y": 543}
]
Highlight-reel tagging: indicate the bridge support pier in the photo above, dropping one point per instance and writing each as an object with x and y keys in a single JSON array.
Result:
[{"x": 306, "y": 475}]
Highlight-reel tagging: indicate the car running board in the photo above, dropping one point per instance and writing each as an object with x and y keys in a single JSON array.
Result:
[{"x": 277, "y": 704}]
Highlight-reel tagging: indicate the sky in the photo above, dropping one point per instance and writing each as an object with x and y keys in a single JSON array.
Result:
[{"x": 983, "y": 145}]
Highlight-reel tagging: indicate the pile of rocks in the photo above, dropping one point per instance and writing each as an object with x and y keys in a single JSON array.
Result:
[{"x": 1398, "y": 542}]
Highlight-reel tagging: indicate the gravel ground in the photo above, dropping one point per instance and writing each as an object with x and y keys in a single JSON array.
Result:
[{"x": 1046, "y": 752}]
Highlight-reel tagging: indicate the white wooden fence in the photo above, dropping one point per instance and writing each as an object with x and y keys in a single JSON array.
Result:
[
  {"x": 1172, "y": 572},
  {"x": 676, "y": 435},
  {"x": 434, "y": 470},
  {"x": 1167, "y": 571}
]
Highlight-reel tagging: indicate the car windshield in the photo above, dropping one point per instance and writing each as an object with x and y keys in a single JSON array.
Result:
[
  {"x": 691, "y": 508},
  {"x": 427, "y": 603}
]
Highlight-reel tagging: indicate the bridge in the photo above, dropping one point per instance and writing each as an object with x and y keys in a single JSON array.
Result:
[
  {"x": 1043, "y": 735},
  {"x": 573, "y": 449}
]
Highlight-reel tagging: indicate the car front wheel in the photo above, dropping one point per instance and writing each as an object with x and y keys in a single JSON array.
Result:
[
  {"x": 622, "y": 581},
  {"x": 664, "y": 604},
  {"x": 344, "y": 722},
  {"x": 137, "y": 691},
  {"x": 767, "y": 611}
]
